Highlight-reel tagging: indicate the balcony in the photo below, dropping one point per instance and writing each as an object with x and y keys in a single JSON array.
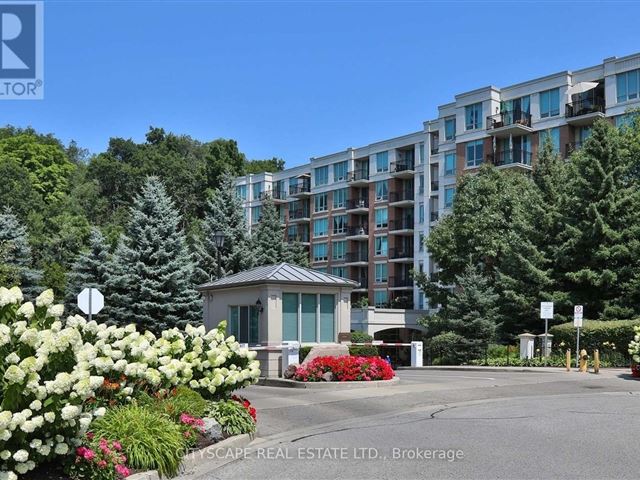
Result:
[
  {"x": 401, "y": 282},
  {"x": 511, "y": 158},
  {"x": 358, "y": 205},
  {"x": 569, "y": 148},
  {"x": 402, "y": 254},
  {"x": 435, "y": 187},
  {"x": 421, "y": 190},
  {"x": 300, "y": 215},
  {"x": 401, "y": 226},
  {"x": 505, "y": 124},
  {"x": 357, "y": 258},
  {"x": 584, "y": 112},
  {"x": 300, "y": 190},
  {"x": 358, "y": 177},
  {"x": 434, "y": 216},
  {"x": 403, "y": 197},
  {"x": 403, "y": 169},
  {"x": 364, "y": 283},
  {"x": 358, "y": 233},
  {"x": 276, "y": 195},
  {"x": 302, "y": 238}
]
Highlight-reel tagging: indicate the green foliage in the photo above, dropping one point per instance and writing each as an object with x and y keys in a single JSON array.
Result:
[
  {"x": 16, "y": 267},
  {"x": 447, "y": 348},
  {"x": 360, "y": 337},
  {"x": 364, "y": 351},
  {"x": 596, "y": 334},
  {"x": 149, "y": 441},
  {"x": 259, "y": 166},
  {"x": 232, "y": 417},
  {"x": 303, "y": 352},
  {"x": 268, "y": 238},
  {"x": 182, "y": 400}
]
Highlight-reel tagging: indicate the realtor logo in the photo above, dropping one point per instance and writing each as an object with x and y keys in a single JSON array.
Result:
[{"x": 21, "y": 50}]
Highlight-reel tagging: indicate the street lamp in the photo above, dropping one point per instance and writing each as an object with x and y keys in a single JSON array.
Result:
[
  {"x": 259, "y": 306},
  {"x": 218, "y": 239}
]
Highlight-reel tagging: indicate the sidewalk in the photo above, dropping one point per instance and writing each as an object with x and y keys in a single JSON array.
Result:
[{"x": 480, "y": 368}]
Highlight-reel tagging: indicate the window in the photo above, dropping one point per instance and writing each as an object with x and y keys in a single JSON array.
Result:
[
  {"x": 308, "y": 312},
  {"x": 626, "y": 120},
  {"x": 338, "y": 250},
  {"x": 422, "y": 153},
  {"x": 380, "y": 298},
  {"x": 339, "y": 272},
  {"x": 321, "y": 175},
  {"x": 320, "y": 227},
  {"x": 381, "y": 246},
  {"x": 241, "y": 192},
  {"x": 450, "y": 128},
  {"x": 449, "y": 193},
  {"x": 321, "y": 269},
  {"x": 474, "y": 153},
  {"x": 381, "y": 273},
  {"x": 382, "y": 162},
  {"x": 340, "y": 171},
  {"x": 320, "y": 203},
  {"x": 320, "y": 252},
  {"x": 421, "y": 184},
  {"x": 382, "y": 217},
  {"x": 421, "y": 242},
  {"x": 421, "y": 212},
  {"x": 550, "y": 103},
  {"x": 420, "y": 301},
  {"x": 382, "y": 191},
  {"x": 473, "y": 116},
  {"x": 257, "y": 190},
  {"x": 450, "y": 164},
  {"x": 243, "y": 323},
  {"x": 340, "y": 198},
  {"x": 339, "y": 224},
  {"x": 554, "y": 135},
  {"x": 290, "y": 317},
  {"x": 308, "y": 317},
  {"x": 628, "y": 85},
  {"x": 256, "y": 213}
]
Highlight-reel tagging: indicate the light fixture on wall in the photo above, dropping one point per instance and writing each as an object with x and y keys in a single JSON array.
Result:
[{"x": 259, "y": 306}]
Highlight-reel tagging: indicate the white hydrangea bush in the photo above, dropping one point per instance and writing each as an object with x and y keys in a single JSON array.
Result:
[
  {"x": 58, "y": 375},
  {"x": 634, "y": 346}
]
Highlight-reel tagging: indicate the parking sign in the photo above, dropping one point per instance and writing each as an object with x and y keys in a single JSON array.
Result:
[{"x": 577, "y": 315}]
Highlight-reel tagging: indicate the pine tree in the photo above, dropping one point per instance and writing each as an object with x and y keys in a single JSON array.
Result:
[
  {"x": 151, "y": 277},
  {"x": 16, "y": 261},
  {"x": 268, "y": 238},
  {"x": 296, "y": 254},
  {"x": 225, "y": 214},
  {"x": 90, "y": 269}
]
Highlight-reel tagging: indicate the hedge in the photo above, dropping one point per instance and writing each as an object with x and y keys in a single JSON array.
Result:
[{"x": 595, "y": 333}]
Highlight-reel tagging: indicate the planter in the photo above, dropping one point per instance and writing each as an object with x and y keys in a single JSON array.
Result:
[
  {"x": 635, "y": 370},
  {"x": 282, "y": 382}
]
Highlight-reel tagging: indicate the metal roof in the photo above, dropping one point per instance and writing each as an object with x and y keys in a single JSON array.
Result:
[{"x": 284, "y": 273}]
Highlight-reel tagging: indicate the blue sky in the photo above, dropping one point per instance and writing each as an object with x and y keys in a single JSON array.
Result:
[{"x": 298, "y": 79}]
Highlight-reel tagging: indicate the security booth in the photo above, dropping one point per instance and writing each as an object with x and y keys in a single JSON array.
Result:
[{"x": 270, "y": 306}]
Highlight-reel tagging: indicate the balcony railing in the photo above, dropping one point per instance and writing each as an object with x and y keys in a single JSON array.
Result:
[
  {"x": 404, "y": 223},
  {"x": 354, "y": 203},
  {"x": 433, "y": 216},
  {"x": 401, "y": 252},
  {"x": 402, "y": 281},
  {"x": 401, "y": 196},
  {"x": 298, "y": 214},
  {"x": 275, "y": 194},
  {"x": 504, "y": 119},
  {"x": 357, "y": 175},
  {"x": 298, "y": 237},
  {"x": 402, "y": 166},
  {"x": 363, "y": 281},
  {"x": 352, "y": 257},
  {"x": 300, "y": 188},
  {"x": 353, "y": 231},
  {"x": 584, "y": 107},
  {"x": 435, "y": 186},
  {"x": 509, "y": 157},
  {"x": 435, "y": 149},
  {"x": 569, "y": 148}
]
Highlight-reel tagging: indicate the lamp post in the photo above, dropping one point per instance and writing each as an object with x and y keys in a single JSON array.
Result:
[{"x": 218, "y": 238}]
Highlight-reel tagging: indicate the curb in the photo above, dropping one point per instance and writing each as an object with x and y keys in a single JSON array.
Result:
[
  {"x": 282, "y": 382},
  {"x": 196, "y": 459},
  {"x": 490, "y": 369}
]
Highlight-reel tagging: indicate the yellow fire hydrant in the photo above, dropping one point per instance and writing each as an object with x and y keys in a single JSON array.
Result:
[{"x": 583, "y": 361}]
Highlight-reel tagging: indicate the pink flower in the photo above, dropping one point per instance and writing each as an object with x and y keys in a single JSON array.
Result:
[
  {"x": 116, "y": 445},
  {"x": 90, "y": 435},
  {"x": 89, "y": 454},
  {"x": 122, "y": 470},
  {"x": 102, "y": 464}
]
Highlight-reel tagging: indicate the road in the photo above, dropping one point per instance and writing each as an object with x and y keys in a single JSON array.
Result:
[{"x": 447, "y": 424}]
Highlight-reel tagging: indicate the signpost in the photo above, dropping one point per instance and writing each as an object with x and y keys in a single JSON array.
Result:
[
  {"x": 90, "y": 301},
  {"x": 546, "y": 312},
  {"x": 578, "y": 310}
]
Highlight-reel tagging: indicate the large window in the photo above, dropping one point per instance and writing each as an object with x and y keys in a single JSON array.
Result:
[
  {"x": 320, "y": 227},
  {"x": 340, "y": 198},
  {"x": 554, "y": 135},
  {"x": 421, "y": 212},
  {"x": 381, "y": 298},
  {"x": 628, "y": 85},
  {"x": 381, "y": 246},
  {"x": 308, "y": 317},
  {"x": 626, "y": 119},
  {"x": 382, "y": 162},
  {"x": 320, "y": 252},
  {"x": 321, "y": 175},
  {"x": 338, "y": 250},
  {"x": 241, "y": 192},
  {"x": 450, "y": 128},
  {"x": 320, "y": 203},
  {"x": 382, "y": 191},
  {"x": 257, "y": 190},
  {"x": 339, "y": 224},
  {"x": 473, "y": 116},
  {"x": 256, "y": 213},
  {"x": 550, "y": 103},
  {"x": 381, "y": 273},
  {"x": 339, "y": 272},
  {"x": 243, "y": 323},
  {"x": 450, "y": 163},
  {"x": 449, "y": 194},
  {"x": 475, "y": 152},
  {"x": 382, "y": 217},
  {"x": 340, "y": 171},
  {"x": 421, "y": 150}
]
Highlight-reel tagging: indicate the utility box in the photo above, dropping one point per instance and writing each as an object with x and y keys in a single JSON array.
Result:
[
  {"x": 545, "y": 352},
  {"x": 416, "y": 354},
  {"x": 527, "y": 345},
  {"x": 290, "y": 355}
]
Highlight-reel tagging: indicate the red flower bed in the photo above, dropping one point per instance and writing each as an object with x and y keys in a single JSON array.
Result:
[
  {"x": 635, "y": 370},
  {"x": 345, "y": 369}
]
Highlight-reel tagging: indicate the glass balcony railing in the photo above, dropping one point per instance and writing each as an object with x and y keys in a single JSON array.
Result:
[
  {"x": 358, "y": 175},
  {"x": 510, "y": 157},
  {"x": 584, "y": 107},
  {"x": 505, "y": 119}
]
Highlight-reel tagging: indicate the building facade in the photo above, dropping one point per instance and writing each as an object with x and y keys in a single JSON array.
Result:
[{"x": 364, "y": 212}]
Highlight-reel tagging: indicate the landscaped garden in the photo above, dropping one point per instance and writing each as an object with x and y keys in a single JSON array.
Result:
[{"x": 85, "y": 400}]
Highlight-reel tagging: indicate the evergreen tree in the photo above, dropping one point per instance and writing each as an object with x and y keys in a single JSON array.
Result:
[
  {"x": 268, "y": 238},
  {"x": 151, "y": 278},
  {"x": 15, "y": 261},
  {"x": 91, "y": 269},
  {"x": 296, "y": 254},
  {"x": 225, "y": 214}
]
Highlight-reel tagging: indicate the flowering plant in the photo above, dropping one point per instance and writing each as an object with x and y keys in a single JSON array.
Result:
[
  {"x": 99, "y": 460},
  {"x": 247, "y": 405},
  {"x": 345, "y": 369},
  {"x": 191, "y": 428}
]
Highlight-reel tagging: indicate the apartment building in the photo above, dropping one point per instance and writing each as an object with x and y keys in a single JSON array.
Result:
[{"x": 364, "y": 212}]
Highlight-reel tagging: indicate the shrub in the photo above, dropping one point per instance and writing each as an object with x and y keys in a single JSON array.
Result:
[
  {"x": 447, "y": 348},
  {"x": 149, "y": 441},
  {"x": 596, "y": 334},
  {"x": 99, "y": 459},
  {"x": 233, "y": 417},
  {"x": 361, "y": 337},
  {"x": 345, "y": 369},
  {"x": 364, "y": 351},
  {"x": 179, "y": 401}
]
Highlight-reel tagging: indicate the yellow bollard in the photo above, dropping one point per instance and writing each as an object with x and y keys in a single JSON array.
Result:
[
  {"x": 596, "y": 361},
  {"x": 568, "y": 360},
  {"x": 583, "y": 360}
]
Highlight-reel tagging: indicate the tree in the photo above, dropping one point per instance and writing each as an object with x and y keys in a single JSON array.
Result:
[
  {"x": 90, "y": 269},
  {"x": 225, "y": 214},
  {"x": 296, "y": 254},
  {"x": 268, "y": 238},
  {"x": 259, "y": 166},
  {"x": 16, "y": 267},
  {"x": 151, "y": 276}
]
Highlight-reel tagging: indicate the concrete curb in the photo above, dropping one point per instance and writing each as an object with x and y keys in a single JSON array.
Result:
[
  {"x": 470, "y": 368},
  {"x": 282, "y": 382},
  {"x": 196, "y": 459}
]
